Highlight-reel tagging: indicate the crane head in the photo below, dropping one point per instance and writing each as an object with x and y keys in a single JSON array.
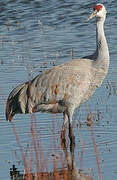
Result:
[{"x": 99, "y": 11}]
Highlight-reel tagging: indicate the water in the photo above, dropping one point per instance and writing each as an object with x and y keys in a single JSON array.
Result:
[{"x": 34, "y": 36}]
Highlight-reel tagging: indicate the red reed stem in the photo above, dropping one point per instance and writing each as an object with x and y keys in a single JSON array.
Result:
[{"x": 96, "y": 153}]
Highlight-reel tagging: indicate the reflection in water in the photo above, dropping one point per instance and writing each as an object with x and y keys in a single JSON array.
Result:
[{"x": 71, "y": 171}]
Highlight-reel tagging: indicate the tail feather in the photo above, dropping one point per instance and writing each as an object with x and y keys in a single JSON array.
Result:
[{"x": 13, "y": 104}]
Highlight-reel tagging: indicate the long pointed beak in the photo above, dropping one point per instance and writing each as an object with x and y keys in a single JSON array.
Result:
[{"x": 92, "y": 15}]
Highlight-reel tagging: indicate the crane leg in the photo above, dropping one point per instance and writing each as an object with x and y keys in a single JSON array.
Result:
[
  {"x": 71, "y": 134},
  {"x": 67, "y": 123},
  {"x": 64, "y": 126}
]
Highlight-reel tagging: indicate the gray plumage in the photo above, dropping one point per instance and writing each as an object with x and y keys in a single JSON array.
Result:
[{"x": 64, "y": 87}]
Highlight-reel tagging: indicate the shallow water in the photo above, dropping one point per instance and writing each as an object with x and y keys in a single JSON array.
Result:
[{"x": 34, "y": 36}]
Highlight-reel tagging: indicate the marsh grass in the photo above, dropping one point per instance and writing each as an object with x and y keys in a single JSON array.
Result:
[{"x": 68, "y": 170}]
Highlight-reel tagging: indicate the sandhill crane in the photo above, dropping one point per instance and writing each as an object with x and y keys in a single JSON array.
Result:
[{"x": 64, "y": 87}]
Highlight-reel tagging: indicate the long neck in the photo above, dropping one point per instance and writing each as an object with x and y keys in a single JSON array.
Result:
[{"x": 102, "y": 52}]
